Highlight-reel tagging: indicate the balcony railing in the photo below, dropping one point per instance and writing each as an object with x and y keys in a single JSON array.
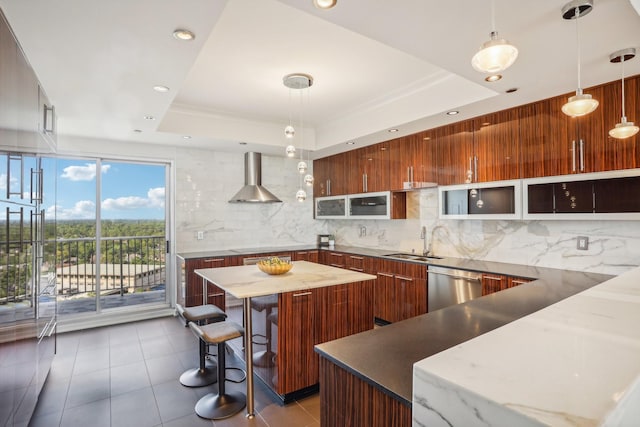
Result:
[{"x": 127, "y": 265}]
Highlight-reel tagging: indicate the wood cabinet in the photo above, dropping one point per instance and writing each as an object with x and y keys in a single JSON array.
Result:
[
  {"x": 454, "y": 144},
  {"x": 307, "y": 318},
  {"x": 193, "y": 282},
  {"x": 330, "y": 176},
  {"x": 311, "y": 256},
  {"x": 400, "y": 290},
  {"x": 413, "y": 159},
  {"x": 496, "y": 147},
  {"x": 335, "y": 259},
  {"x": 498, "y": 282},
  {"x": 367, "y": 168}
]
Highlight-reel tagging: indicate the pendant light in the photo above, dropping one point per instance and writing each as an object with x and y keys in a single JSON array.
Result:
[
  {"x": 324, "y": 4},
  {"x": 624, "y": 129},
  {"x": 299, "y": 81},
  {"x": 496, "y": 54},
  {"x": 581, "y": 103}
]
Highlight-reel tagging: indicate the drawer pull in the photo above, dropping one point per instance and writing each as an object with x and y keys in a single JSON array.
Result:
[
  {"x": 385, "y": 274},
  {"x": 408, "y": 279},
  {"x": 301, "y": 294},
  {"x": 499, "y": 279},
  {"x": 214, "y": 260}
]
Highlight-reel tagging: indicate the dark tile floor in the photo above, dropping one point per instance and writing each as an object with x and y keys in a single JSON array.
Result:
[{"x": 127, "y": 375}]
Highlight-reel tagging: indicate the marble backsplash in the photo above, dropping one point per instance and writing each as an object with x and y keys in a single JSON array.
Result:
[{"x": 205, "y": 180}]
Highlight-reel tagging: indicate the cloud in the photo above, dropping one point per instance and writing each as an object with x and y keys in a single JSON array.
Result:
[
  {"x": 83, "y": 173},
  {"x": 154, "y": 199},
  {"x": 3, "y": 181},
  {"x": 84, "y": 209}
]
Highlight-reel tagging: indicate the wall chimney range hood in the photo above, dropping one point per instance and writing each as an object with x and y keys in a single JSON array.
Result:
[{"x": 253, "y": 191}]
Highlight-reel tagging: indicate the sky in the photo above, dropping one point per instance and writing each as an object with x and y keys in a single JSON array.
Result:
[{"x": 129, "y": 190}]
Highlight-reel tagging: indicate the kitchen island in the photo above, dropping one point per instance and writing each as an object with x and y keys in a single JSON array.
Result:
[
  {"x": 367, "y": 379},
  {"x": 575, "y": 363},
  {"x": 310, "y": 304}
]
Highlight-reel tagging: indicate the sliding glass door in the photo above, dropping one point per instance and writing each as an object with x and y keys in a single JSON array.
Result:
[{"x": 111, "y": 235}]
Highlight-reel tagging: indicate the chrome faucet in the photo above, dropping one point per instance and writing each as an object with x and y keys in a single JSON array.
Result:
[{"x": 423, "y": 236}]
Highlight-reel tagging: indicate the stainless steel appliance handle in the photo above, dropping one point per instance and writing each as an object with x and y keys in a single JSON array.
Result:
[{"x": 456, "y": 276}]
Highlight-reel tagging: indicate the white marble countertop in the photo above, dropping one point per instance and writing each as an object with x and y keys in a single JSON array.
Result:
[
  {"x": 248, "y": 281},
  {"x": 574, "y": 363}
]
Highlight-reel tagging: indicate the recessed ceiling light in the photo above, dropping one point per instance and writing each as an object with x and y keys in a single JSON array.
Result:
[
  {"x": 452, "y": 112},
  {"x": 513, "y": 89},
  {"x": 242, "y": 143},
  {"x": 160, "y": 88},
  {"x": 182, "y": 34},
  {"x": 351, "y": 142},
  {"x": 324, "y": 4},
  {"x": 392, "y": 130},
  {"x": 186, "y": 136},
  {"x": 149, "y": 118},
  {"x": 493, "y": 78},
  {"x": 137, "y": 131}
]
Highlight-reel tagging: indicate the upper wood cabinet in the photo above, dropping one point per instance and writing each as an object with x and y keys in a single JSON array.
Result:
[
  {"x": 413, "y": 160},
  {"x": 367, "y": 169},
  {"x": 330, "y": 176},
  {"x": 454, "y": 145},
  {"x": 496, "y": 147}
]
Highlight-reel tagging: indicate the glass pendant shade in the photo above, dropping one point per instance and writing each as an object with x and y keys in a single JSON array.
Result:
[
  {"x": 308, "y": 179},
  {"x": 495, "y": 55},
  {"x": 580, "y": 104},
  {"x": 289, "y": 132},
  {"x": 301, "y": 195},
  {"x": 479, "y": 204},
  {"x": 302, "y": 167},
  {"x": 324, "y": 4},
  {"x": 624, "y": 129},
  {"x": 290, "y": 150}
]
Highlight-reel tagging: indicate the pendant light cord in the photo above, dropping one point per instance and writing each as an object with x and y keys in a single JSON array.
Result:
[
  {"x": 493, "y": 16},
  {"x": 577, "y": 18},
  {"x": 623, "y": 113}
]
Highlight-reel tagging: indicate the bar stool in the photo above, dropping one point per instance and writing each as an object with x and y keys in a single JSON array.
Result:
[
  {"x": 202, "y": 375},
  {"x": 265, "y": 358},
  {"x": 221, "y": 405}
]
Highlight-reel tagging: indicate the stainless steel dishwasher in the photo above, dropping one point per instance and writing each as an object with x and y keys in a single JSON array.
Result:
[{"x": 448, "y": 286}]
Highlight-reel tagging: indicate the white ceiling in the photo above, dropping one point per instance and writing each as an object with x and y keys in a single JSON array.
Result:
[{"x": 377, "y": 64}]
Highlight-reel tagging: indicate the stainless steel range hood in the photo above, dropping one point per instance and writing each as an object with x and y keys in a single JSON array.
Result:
[{"x": 253, "y": 191}]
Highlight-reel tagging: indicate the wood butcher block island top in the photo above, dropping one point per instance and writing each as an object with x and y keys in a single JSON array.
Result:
[{"x": 248, "y": 281}]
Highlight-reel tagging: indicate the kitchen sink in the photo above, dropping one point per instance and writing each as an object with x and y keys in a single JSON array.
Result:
[{"x": 413, "y": 257}]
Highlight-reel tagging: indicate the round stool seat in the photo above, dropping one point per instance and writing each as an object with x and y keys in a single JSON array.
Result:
[
  {"x": 200, "y": 313},
  {"x": 221, "y": 405}
]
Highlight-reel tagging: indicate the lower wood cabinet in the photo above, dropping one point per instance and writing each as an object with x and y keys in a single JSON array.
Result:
[
  {"x": 311, "y": 256},
  {"x": 497, "y": 282},
  {"x": 193, "y": 282},
  {"x": 346, "y": 400},
  {"x": 400, "y": 291},
  {"x": 296, "y": 323}
]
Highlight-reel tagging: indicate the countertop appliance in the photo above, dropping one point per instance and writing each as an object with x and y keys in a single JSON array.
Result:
[{"x": 448, "y": 286}]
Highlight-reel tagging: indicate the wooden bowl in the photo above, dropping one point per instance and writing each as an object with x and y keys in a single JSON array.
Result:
[{"x": 274, "y": 269}]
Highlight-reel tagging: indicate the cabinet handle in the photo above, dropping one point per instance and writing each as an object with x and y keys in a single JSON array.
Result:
[
  {"x": 519, "y": 282},
  {"x": 49, "y": 114},
  {"x": 361, "y": 270},
  {"x": 499, "y": 279},
  {"x": 475, "y": 168},
  {"x": 356, "y": 257},
  {"x": 364, "y": 182},
  {"x": 385, "y": 274},
  {"x": 328, "y": 187},
  {"x": 214, "y": 260},
  {"x": 409, "y": 173},
  {"x": 301, "y": 294},
  {"x": 408, "y": 279},
  {"x": 573, "y": 155},
  {"x": 219, "y": 294},
  {"x": 581, "y": 155}
]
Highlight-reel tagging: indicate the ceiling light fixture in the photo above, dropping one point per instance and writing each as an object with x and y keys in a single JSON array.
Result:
[
  {"x": 161, "y": 89},
  {"x": 351, "y": 142},
  {"x": 493, "y": 78},
  {"x": 184, "y": 35},
  {"x": 324, "y": 4},
  {"x": 299, "y": 81},
  {"x": 392, "y": 130},
  {"x": 149, "y": 118},
  {"x": 581, "y": 103},
  {"x": 624, "y": 129},
  {"x": 496, "y": 54},
  {"x": 452, "y": 112}
]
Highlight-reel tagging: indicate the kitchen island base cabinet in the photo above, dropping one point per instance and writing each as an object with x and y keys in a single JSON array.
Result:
[
  {"x": 346, "y": 400},
  {"x": 301, "y": 320}
]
